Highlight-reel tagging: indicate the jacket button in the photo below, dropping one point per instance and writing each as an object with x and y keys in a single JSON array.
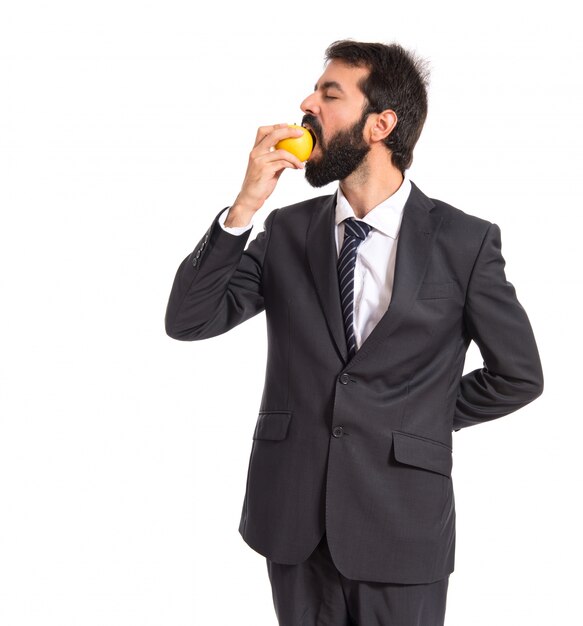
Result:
[
  {"x": 338, "y": 431},
  {"x": 345, "y": 379}
]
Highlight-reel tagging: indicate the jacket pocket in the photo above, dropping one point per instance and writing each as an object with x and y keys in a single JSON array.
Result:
[
  {"x": 421, "y": 452},
  {"x": 272, "y": 425},
  {"x": 434, "y": 291}
]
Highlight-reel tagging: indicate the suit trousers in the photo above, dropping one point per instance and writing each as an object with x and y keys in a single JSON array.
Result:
[{"x": 315, "y": 593}]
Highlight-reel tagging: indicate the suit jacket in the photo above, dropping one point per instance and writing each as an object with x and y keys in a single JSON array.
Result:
[{"x": 362, "y": 449}]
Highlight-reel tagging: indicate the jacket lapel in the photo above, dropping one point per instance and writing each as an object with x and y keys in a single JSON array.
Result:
[
  {"x": 416, "y": 238},
  {"x": 322, "y": 256},
  {"x": 415, "y": 241}
]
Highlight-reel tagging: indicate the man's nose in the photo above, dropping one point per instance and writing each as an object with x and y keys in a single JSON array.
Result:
[{"x": 310, "y": 105}]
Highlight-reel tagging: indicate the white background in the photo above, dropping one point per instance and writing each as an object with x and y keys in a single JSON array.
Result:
[{"x": 125, "y": 127}]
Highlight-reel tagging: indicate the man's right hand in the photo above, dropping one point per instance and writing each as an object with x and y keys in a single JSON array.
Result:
[{"x": 263, "y": 171}]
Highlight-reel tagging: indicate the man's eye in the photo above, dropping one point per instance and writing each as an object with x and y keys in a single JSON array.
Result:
[{"x": 326, "y": 97}]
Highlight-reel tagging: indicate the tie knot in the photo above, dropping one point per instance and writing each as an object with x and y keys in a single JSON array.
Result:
[{"x": 356, "y": 228}]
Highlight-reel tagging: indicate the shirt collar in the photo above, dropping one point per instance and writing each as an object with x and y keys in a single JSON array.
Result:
[{"x": 385, "y": 217}]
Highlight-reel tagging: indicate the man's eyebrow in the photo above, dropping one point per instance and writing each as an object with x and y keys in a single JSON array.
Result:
[{"x": 328, "y": 84}]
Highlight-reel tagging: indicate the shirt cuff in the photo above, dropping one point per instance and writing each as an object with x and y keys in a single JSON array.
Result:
[{"x": 233, "y": 230}]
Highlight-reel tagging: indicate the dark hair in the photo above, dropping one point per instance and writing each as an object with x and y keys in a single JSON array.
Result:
[{"x": 398, "y": 81}]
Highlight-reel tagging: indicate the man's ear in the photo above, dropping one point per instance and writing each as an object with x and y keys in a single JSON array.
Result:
[{"x": 383, "y": 124}]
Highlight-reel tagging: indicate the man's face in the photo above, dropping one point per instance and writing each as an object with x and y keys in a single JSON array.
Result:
[{"x": 335, "y": 114}]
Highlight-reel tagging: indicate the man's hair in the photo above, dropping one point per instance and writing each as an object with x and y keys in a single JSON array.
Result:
[{"x": 398, "y": 81}]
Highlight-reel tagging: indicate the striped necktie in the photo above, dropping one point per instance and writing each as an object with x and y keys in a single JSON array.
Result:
[{"x": 355, "y": 233}]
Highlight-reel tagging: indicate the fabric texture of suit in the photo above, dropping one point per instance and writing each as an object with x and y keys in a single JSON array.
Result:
[{"x": 362, "y": 449}]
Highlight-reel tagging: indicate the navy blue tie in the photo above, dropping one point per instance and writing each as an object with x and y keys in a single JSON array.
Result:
[{"x": 355, "y": 233}]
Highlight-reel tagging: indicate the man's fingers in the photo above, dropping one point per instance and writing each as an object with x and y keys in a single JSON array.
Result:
[
  {"x": 278, "y": 155},
  {"x": 281, "y": 164},
  {"x": 268, "y": 136},
  {"x": 263, "y": 131}
]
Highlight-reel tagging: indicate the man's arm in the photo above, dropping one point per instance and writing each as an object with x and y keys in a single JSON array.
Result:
[
  {"x": 218, "y": 285},
  {"x": 512, "y": 375}
]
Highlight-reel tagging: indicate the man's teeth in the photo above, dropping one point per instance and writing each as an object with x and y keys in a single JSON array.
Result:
[{"x": 312, "y": 133}]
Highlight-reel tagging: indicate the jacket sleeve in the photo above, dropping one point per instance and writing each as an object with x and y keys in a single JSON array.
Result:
[
  {"x": 218, "y": 285},
  {"x": 512, "y": 374}
]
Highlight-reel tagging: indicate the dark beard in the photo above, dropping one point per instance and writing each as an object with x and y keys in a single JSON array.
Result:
[{"x": 343, "y": 154}]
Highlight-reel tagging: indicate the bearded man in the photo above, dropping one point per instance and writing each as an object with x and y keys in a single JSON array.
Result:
[{"x": 372, "y": 296}]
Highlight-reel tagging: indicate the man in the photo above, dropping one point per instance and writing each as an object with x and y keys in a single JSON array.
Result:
[{"x": 372, "y": 296}]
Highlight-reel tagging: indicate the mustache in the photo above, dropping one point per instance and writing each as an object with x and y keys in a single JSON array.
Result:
[{"x": 314, "y": 126}]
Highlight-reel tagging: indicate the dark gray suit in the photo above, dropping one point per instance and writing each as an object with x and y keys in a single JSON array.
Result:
[{"x": 362, "y": 450}]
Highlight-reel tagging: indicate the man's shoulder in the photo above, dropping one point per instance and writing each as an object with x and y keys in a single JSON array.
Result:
[
  {"x": 460, "y": 219},
  {"x": 455, "y": 217},
  {"x": 461, "y": 229},
  {"x": 297, "y": 217},
  {"x": 452, "y": 213},
  {"x": 307, "y": 207}
]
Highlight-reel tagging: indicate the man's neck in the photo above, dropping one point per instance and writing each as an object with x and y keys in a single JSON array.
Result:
[{"x": 370, "y": 184}]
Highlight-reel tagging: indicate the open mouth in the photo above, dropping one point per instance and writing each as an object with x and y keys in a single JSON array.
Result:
[{"x": 314, "y": 139}]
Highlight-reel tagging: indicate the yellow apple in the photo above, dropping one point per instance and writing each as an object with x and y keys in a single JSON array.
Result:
[{"x": 301, "y": 147}]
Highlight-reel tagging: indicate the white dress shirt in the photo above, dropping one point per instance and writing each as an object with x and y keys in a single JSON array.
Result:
[{"x": 375, "y": 258}]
